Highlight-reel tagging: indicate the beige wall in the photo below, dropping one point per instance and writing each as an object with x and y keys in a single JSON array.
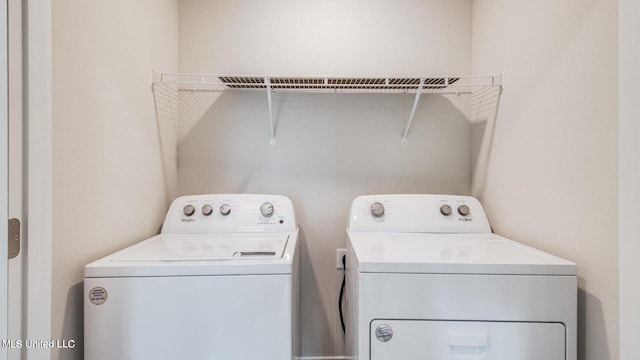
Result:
[
  {"x": 330, "y": 148},
  {"x": 330, "y": 37},
  {"x": 108, "y": 190},
  {"x": 551, "y": 178},
  {"x": 629, "y": 132}
]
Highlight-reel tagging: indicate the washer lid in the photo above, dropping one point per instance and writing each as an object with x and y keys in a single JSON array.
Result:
[
  {"x": 201, "y": 254},
  {"x": 199, "y": 247},
  {"x": 452, "y": 254}
]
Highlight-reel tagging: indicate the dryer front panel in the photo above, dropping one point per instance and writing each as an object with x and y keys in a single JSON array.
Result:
[
  {"x": 468, "y": 340},
  {"x": 464, "y": 299}
]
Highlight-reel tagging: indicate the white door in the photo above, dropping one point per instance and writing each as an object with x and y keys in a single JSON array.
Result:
[
  {"x": 15, "y": 158},
  {"x": 15, "y": 327}
]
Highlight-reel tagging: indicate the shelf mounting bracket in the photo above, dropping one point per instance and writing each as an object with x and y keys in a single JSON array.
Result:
[
  {"x": 267, "y": 82},
  {"x": 413, "y": 112}
]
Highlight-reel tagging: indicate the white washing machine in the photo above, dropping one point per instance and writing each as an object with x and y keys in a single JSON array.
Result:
[
  {"x": 427, "y": 279},
  {"x": 219, "y": 282}
]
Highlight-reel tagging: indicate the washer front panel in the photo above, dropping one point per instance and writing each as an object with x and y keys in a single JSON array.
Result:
[{"x": 199, "y": 317}]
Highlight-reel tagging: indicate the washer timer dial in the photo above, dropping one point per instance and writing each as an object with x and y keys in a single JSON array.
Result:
[{"x": 266, "y": 209}]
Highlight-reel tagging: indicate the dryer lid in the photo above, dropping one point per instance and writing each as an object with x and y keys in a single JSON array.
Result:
[{"x": 452, "y": 254}]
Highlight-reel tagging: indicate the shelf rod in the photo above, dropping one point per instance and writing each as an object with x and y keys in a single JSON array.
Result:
[
  {"x": 413, "y": 112},
  {"x": 273, "y": 130}
]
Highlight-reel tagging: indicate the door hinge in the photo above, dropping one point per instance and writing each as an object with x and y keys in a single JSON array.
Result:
[{"x": 13, "y": 239}]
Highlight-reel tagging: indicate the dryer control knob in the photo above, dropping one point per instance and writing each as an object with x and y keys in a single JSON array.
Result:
[
  {"x": 207, "y": 210},
  {"x": 266, "y": 209},
  {"x": 445, "y": 210},
  {"x": 189, "y": 210},
  {"x": 225, "y": 209},
  {"x": 464, "y": 210},
  {"x": 377, "y": 209}
]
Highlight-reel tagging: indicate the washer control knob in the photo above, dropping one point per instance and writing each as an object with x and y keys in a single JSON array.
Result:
[
  {"x": 377, "y": 209},
  {"x": 445, "y": 210},
  {"x": 207, "y": 209},
  {"x": 189, "y": 210},
  {"x": 463, "y": 210},
  {"x": 225, "y": 209},
  {"x": 266, "y": 209}
]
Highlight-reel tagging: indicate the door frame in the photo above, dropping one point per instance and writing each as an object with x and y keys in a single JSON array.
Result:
[
  {"x": 39, "y": 127},
  {"x": 4, "y": 171},
  {"x": 39, "y": 148}
]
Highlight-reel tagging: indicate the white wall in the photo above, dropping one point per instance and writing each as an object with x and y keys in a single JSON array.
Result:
[
  {"x": 629, "y": 178},
  {"x": 552, "y": 176},
  {"x": 108, "y": 190},
  {"x": 329, "y": 149}
]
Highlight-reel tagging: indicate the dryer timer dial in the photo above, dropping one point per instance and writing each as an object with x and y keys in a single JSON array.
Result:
[
  {"x": 377, "y": 209},
  {"x": 225, "y": 209},
  {"x": 445, "y": 210}
]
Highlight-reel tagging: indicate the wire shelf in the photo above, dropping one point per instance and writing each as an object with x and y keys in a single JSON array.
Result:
[
  {"x": 191, "y": 95},
  {"x": 331, "y": 84}
]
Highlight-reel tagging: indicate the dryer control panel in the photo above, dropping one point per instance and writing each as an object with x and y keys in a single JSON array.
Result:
[
  {"x": 418, "y": 213},
  {"x": 226, "y": 213}
]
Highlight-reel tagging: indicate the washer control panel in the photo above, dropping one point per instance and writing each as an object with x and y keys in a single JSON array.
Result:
[
  {"x": 222, "y": 213},
  {"x": 418, "y": 213}
]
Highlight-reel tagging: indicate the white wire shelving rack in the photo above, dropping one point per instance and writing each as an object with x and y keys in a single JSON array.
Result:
[{"x": 186, "y": 97}]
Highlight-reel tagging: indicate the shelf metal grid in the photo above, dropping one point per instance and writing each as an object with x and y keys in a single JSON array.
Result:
[{"x": 190, "y": 95}]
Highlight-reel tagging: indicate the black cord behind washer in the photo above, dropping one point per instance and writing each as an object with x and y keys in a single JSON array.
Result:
[{"x": 344, "y": 278}]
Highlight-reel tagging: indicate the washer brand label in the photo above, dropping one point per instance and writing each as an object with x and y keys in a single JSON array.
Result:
[{"x": 98, "y": 295}]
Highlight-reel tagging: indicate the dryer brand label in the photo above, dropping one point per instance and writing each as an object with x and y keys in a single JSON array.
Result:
[
  {"x": 384, "y": 333},
  {"x": 98, "y": 295}
]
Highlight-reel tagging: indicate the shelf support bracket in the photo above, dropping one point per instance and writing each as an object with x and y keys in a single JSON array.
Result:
[
  {"x": 267, "y": 82},
  {"x": 413, "y": 112}
]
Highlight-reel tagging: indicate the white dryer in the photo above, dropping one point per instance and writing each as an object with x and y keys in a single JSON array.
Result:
[
  {"x": 427, "y": 279},
  {"x": 219, "y": 282}
]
